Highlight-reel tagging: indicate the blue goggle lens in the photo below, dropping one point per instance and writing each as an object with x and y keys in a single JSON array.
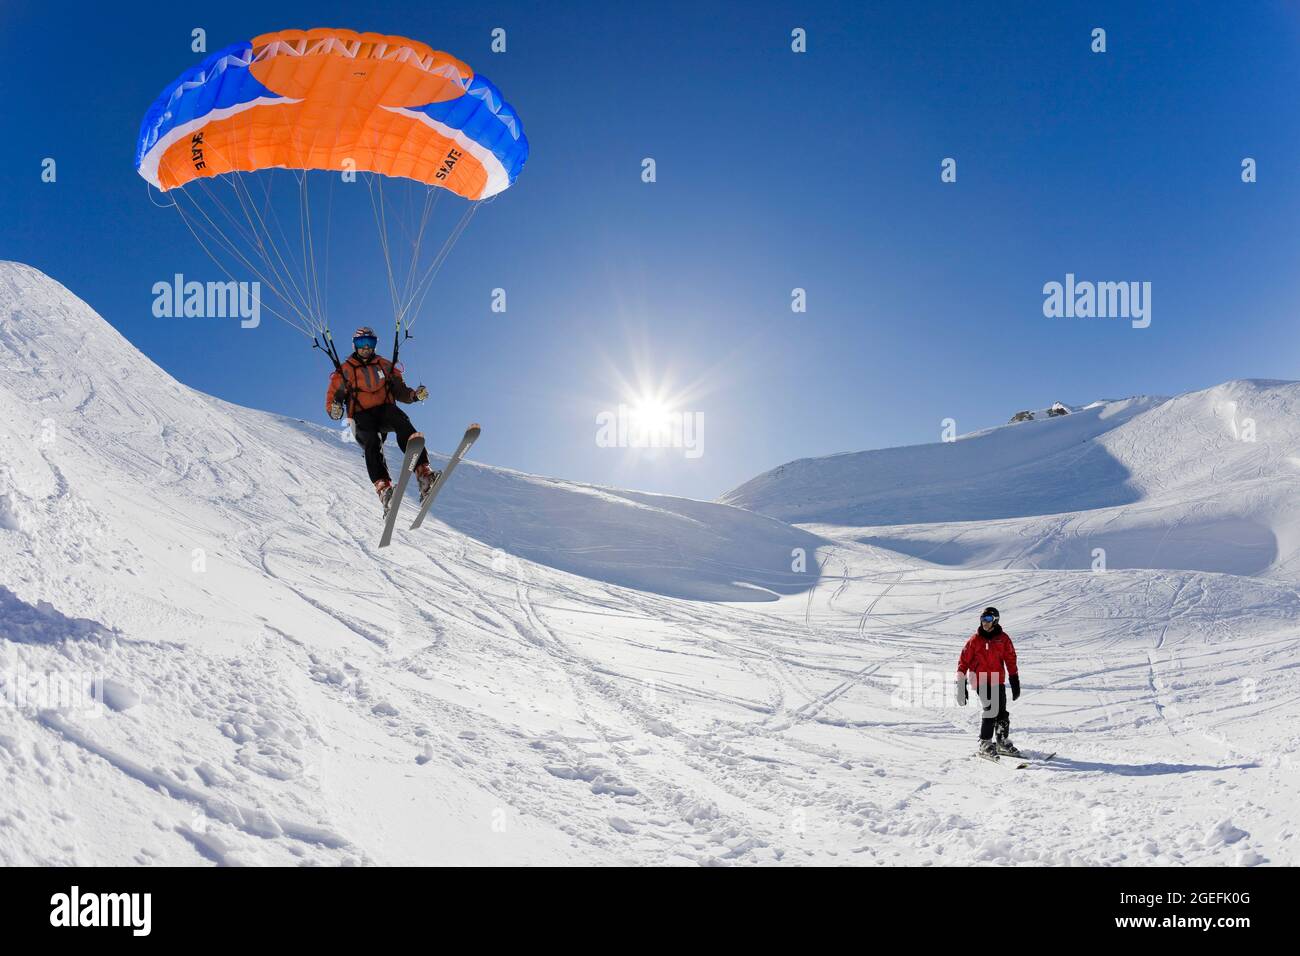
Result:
[
  {"x": 988, "y": 617},
  {"x": 365, "y": 342}
]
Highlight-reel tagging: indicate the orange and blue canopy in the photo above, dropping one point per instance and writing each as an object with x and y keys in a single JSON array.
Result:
[{"x": 334, "y": 100}]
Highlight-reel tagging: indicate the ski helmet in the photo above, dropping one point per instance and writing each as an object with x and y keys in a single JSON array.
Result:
[
  {"x": 989, "y": 614},
  {"x": 364, "y": 338}
]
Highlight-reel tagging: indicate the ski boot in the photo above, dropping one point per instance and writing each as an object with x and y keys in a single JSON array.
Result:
[
  {"x": 384, "y": 488},
  {"x": 988, "y": 750},
  {"x": 1007, "y": 749},
  {"x": 1002, "y": 737},
  {"x": 427, "y": 478}
]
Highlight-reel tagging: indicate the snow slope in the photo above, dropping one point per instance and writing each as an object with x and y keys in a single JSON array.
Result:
[
  {"x": 1206, "y": 481},
  {"x": 205, "y": 660}
]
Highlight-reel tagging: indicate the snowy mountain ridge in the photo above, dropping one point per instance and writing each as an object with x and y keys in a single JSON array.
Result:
[{"x": 1202, "y": 481}]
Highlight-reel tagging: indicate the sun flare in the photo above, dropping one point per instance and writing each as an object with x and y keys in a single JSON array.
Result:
[{"x": 651, "y": 414}]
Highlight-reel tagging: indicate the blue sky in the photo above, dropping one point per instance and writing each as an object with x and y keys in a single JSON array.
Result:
[{"x": 775, "y": 171}]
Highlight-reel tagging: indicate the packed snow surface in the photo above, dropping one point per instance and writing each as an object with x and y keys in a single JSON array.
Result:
[{"x": 206, "y": 660}]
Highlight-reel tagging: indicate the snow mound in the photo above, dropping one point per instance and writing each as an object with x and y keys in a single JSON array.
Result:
[
  {"x": 1204, "y": 481},
  {"x": 104, "y": 400}
]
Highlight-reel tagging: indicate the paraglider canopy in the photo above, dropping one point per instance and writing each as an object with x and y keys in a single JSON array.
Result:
[{"x": 327, "y": 105}]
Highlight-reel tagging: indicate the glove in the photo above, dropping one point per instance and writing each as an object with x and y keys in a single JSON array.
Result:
[
  {"x": 335, "y": 411},
  {"x": 961, "y": 689},
  {"x": 421, "y": 393},
  {"x": 1015, "y": 686}
]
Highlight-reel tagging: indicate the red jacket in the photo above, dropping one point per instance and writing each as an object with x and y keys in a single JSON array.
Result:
[
  {"x": 370, "y": 384},
  {"x": 988, "y": 654}
]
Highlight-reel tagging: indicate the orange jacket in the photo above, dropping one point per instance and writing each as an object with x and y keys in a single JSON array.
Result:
[{"x": 369, "y": 385}]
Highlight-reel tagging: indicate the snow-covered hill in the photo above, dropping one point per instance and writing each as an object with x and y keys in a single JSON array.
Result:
[
  {"x": 1206, "y": 481},
  {"x": 205, "y": 658}
]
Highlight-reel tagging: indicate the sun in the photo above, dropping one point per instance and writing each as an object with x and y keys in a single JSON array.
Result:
[
  {"x": 651, "y": 414},
  {"x": 655, "y": 413}
]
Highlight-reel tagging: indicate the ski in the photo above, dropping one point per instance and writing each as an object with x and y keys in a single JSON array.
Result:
[
  {"x": 994, "y": 758},
  {"x": 471, "y": 436},
  {"x": 1034, "y": 756},
  {"x": 414, "y": 445}
]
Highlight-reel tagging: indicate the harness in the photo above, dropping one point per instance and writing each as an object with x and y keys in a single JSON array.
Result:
[{"x": 349, "y": 371}]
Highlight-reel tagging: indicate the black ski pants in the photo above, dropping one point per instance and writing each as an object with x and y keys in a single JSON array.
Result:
[
  {"x": 371, "y": 427},
  {"x": 993, "y": 698}
]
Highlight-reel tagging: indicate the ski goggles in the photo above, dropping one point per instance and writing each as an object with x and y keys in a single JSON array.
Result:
[
  {"x": 988, "y": 618},
  {"x": 365, "y": 342}
]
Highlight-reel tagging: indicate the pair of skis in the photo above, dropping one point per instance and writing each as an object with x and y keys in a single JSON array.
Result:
[{"x": 415, "y": 445}]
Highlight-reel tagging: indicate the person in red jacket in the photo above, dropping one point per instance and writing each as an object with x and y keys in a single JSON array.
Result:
[
  {"x": 987, "y": 661},
  {"x": 368, "y": 388}
]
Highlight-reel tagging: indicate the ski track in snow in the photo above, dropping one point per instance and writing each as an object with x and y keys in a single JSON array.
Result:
[{"x": 277, "y": 690}]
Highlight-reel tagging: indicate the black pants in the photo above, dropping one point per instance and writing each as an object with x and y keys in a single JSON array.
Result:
[
  {"x": 372, "y": 426},
  {"x": 996, "y": 719}
]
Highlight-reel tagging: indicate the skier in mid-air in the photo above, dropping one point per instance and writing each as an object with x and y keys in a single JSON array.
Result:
[
  {"x": 367, "y": 388},
  {"x": 987, "y": 660}
]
